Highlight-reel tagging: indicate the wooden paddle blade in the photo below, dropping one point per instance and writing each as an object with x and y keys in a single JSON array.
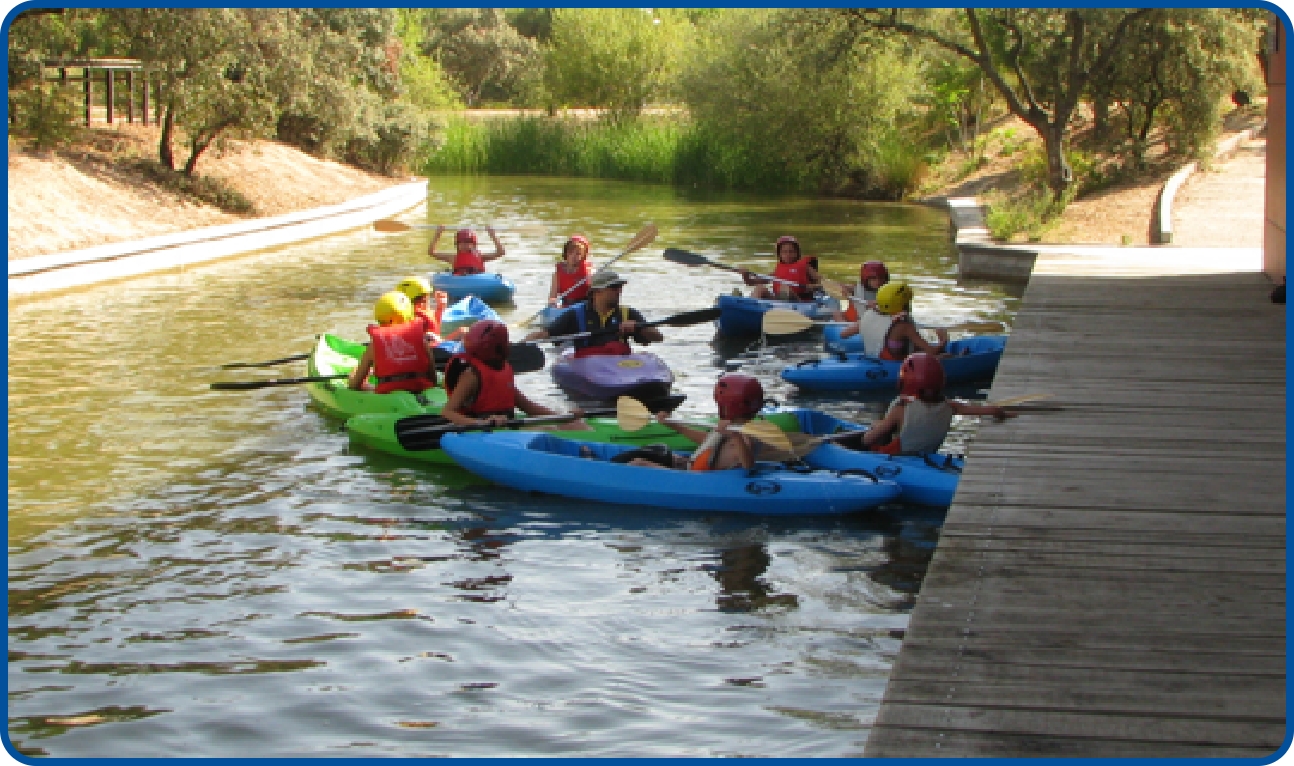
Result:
[
  {"x": 631, "y": 414},
  {"x": 834, "y": 289},
  {"x": 688, "y": 318},
  {"x": 388, "y": 226},
  {"x": 768, "y": 433},
  {"x": 643, "y": 238},
  {"x": 1020, "y": 400},
  {"x": 785, "y": 322},
  {"x": 247, "y": 385},
  {"x": 270, "y": 363}
]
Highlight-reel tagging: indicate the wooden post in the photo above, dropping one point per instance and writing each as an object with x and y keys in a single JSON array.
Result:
[
  {"x": 130, "y": 96},
  {"x": 89, "y": 92},
  {"x": 107, "y": 101},
  {"x": 143, "y": 112}
]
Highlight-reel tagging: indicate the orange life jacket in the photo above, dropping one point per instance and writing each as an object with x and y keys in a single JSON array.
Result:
[
  {"x": 468, "y": 262},
  {"x": 495, "y": 394},
  {"x": 400, "y": 359},
  {"x": 566, "y": 281}
]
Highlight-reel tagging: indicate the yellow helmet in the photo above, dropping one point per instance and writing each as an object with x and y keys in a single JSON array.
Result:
[
  {"x": 414, "y": 287},
  {"x": 893, "y": 297},
  {"x": 393, "y": 308}
]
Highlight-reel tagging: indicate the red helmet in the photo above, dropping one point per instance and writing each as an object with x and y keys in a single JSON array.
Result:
[
  {"x": 738, "y": 396},
  {"x": 777, "y": 249},
  {"x": 874, "y": 269},
  {"x": 922, "y": 376},
  {"x": 487, "y": 340},
  {"x": 581, "y": 239},
  {"x": 465, "y": 235}
]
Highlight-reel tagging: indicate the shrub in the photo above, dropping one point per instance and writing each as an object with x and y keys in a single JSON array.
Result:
[{"x": 47, "y": 114}]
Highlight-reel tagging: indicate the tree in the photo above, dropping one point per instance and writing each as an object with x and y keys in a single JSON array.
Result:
[
  {"x": 480, "y": 51},
  {"x": 612, "y": 58},
  {"x": 1040, "y": 60}
]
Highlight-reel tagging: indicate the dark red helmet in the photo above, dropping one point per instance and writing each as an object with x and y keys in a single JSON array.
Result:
[
  {"x": 465, "y": 235},
  {"x": 738, "y": 396},
  {"x": 487, "y": 340},
  {"x": 922, "y": 376},
  {"x": 777, "y": 249},
  {"x": 874, "y": 269},
  {"x": 578, "y": 239}
]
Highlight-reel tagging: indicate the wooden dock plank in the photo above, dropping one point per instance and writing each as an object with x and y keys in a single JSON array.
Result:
[{"x": 1110, "y": 580}]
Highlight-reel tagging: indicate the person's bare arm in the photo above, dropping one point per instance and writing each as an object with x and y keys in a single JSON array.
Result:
[
  {"x": 887, "y": 425},
  {"x": 453, "y": 411},
  {"x": 431, "y": 249},
  {"x": 359, "y": 377},
  {"x": 966, "y": 408},
  {"x": 498, "y": 246},
  {"x": 531, "y": 408}
]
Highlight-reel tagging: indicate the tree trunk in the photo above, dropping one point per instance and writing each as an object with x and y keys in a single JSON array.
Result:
[
  {"x": 1059, "y": 175},
  {"x": 197, "y": 146},
  {"x": 165, "y": 154}
]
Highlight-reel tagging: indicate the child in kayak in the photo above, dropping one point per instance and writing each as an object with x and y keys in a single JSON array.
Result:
[
  {"x": 872, "y": 276},
  {"x": 419, "y": 292},
  {"x": 482, "y": 391},
  {"x": 888, "y": 331},
  {"x": 918, "y": 420},
  {"x": 792, "y": 267},
  {"x": 739, "y": 398},
  {"x": 467, "y": 259},
  {"x": 570, "y": 283},
  {"x": 399, "y": 353}
]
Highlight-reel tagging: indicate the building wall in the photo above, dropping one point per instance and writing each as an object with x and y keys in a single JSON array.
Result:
[{"x": 1274, "y": 230}]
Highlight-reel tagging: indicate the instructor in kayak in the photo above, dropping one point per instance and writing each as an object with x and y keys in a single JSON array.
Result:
[
  {"x": 482, "y": 390},
  {"x": 611, "y": 324},
  {"x": 467, "y": 259}
]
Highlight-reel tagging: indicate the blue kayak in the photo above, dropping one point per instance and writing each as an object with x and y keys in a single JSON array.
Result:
[
  {"x": 744, "y": 316},
  {"x": 970, "y": 360},
  {"x": 488, "y": 286},
  {"x": 465, "y": 313},
  {"x": 831, "y": 339},
  {"x": 607, "y": 377},
  {"x": 540, "y": 462},
  {"x": 927, "y": 479},
  {"x": 548, "y": 315}
]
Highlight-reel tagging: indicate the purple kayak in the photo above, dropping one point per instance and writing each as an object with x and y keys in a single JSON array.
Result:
[{"x": 642, "y": 376}]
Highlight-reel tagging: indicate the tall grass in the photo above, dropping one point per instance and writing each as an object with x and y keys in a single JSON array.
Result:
[{"x": 643, "y": 150}]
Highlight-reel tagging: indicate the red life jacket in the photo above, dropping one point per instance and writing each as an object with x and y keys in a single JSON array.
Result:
[
  {"x": 797, "y": 272},
  {"x": 567, "y": 281},
  {"x": 495, "y": 394},
  {"x": 468, "y": 262},
  {"x": 424, "y": 313},
  {"x": 400, "y": 359}
]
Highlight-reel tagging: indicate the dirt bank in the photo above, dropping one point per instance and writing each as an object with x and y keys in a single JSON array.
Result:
[{"x": 92, "y": 194}]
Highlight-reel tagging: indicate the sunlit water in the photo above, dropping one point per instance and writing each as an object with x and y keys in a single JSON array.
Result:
[{"x": 206, "y": 573}]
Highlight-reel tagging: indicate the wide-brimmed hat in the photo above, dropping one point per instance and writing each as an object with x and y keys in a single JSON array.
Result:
[{"x": 605, "y": 278}]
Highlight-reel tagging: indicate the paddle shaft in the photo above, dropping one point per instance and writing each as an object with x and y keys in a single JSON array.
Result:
[
  {"x": 640, "y": 240},
  {"x": 432, "y": 425},
  {"x": 246, "y": 385},
  {"x": 684, "y": 319}
]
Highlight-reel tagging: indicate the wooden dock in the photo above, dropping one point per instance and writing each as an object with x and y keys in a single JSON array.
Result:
[{"x": 1110, "y": 580}]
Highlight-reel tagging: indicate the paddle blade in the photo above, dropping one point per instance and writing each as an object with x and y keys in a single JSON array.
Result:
[
  {"x": 631, "y": 414},
  {"x": 388, "y": 226},
  {"x": 526, "y": 357},
  {"x": 785, "y": 322},
  {"x": 643, "y": 238},
  {"x": 688, "y": 258},
  {"x": 834, "y": 289},
  {"x": 688, "y": 318},
  {"x": 768, "y": 433}
]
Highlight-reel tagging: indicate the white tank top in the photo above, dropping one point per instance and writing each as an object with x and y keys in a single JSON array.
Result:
[
  {"x": 873, "y": 326},
  {"x": 924, "y": 425}
]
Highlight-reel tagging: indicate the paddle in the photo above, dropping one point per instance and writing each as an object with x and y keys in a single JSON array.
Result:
[
  {"x": 685, "y": 319},
  {"x": 246, "y": 385},
  {"x": 524, "y": 357},
  {"x": 688, "y": 258},
  {"x": 787, "y": 322},
  {"x": 389, "y": 226},
  {"x": 643, "y": 238},
  {"x": 424, "y": 432}
]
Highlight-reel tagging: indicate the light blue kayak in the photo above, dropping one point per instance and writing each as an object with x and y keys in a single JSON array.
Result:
[
  {"x": 465, "y": 313},
  {"x": 970, "y": 360},
  {"x": 927, "y": 479},
  {"x": 541, "y": 462},
  {"x": 488, "y": 286},
  {"x": 744, "y": 316}
]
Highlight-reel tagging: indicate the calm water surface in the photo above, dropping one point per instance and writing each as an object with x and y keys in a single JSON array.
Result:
[{"x": 215, "y": 573}]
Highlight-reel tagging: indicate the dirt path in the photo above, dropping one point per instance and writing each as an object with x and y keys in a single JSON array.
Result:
[{"x": 91, "y": 196}]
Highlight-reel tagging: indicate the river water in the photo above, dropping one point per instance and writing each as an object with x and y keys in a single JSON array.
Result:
[{"x": 205, "y": 573}]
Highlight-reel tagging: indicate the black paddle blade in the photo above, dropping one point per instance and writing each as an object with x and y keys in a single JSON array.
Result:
[
  {"x": 688, "y": 318},
  {"x": 524, "y": 357},
  {"x": 270, "y": 363},
  {"x": 663, "y": 403},
  {"x": 247, "y": 385},
  {"x": 421, "y": 432},
  {"x": 686, "y": 257}
]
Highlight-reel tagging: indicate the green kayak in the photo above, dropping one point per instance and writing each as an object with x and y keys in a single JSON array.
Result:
[
  {"x": 334, "y": 356},
  {"x": 380, "y": 432}
]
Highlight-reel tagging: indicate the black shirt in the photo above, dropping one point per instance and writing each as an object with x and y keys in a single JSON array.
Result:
[{"x": 569, "y": 324}]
